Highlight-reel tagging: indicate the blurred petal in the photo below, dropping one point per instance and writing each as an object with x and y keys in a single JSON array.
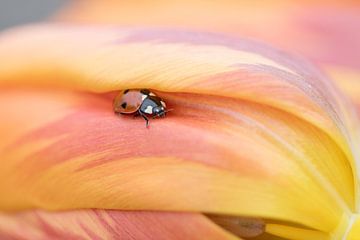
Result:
[
  {"x": 354, "y": 232},
  {"x": 101, "y": 224},
  {"x": 348, "y": 80},
  {"x": 253, "y": 133},
  {"x": 323, "y": 31}
]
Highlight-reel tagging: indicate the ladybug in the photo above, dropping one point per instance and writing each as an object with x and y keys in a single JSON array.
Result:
[{"x": 141, "y": 102}]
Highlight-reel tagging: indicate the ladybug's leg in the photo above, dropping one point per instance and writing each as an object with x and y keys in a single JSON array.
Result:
[
  {"x": 146, "y": 119},
  {"x": 136, "y": 114}
]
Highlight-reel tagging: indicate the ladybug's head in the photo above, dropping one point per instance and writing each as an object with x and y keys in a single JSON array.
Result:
[{"x": 159, "y": 111}]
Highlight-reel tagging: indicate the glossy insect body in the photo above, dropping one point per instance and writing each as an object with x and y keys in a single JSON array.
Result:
[{"x": 141, "y": 102}]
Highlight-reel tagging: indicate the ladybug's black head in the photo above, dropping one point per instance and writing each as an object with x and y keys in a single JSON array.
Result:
[{"x": 159, "y": 111}]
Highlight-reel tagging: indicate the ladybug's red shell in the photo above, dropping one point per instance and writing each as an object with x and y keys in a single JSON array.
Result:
[{"x": 128, "y": 101}]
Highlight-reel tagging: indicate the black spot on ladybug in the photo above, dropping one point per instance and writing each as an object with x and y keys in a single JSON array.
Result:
[
  {"x": 123, "y": 105},
  {"x": 145, "y": 91},
  {"x": 126, "y": 91}
]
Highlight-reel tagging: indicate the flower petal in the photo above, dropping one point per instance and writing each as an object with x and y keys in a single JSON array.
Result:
[
  {"x": 248, "y": 135},
  {"x": 113, "y": 59},
  {"x": 101, "y": 224},
  {"x": 89, "y": 155}
]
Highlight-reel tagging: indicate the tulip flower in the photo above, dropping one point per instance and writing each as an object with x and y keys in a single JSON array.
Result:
[{"x": 260, "y": 144}]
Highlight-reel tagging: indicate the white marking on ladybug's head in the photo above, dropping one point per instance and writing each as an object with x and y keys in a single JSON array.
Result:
[
  {"x": 152, "y": 94},
  {"x": 149, "y": 110},
  {"x": 143, "y": 97},
  {"x": 163, "y": 103}
]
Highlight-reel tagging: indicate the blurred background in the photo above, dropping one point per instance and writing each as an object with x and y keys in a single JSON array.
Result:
[{"x": 15, "y": 12}]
